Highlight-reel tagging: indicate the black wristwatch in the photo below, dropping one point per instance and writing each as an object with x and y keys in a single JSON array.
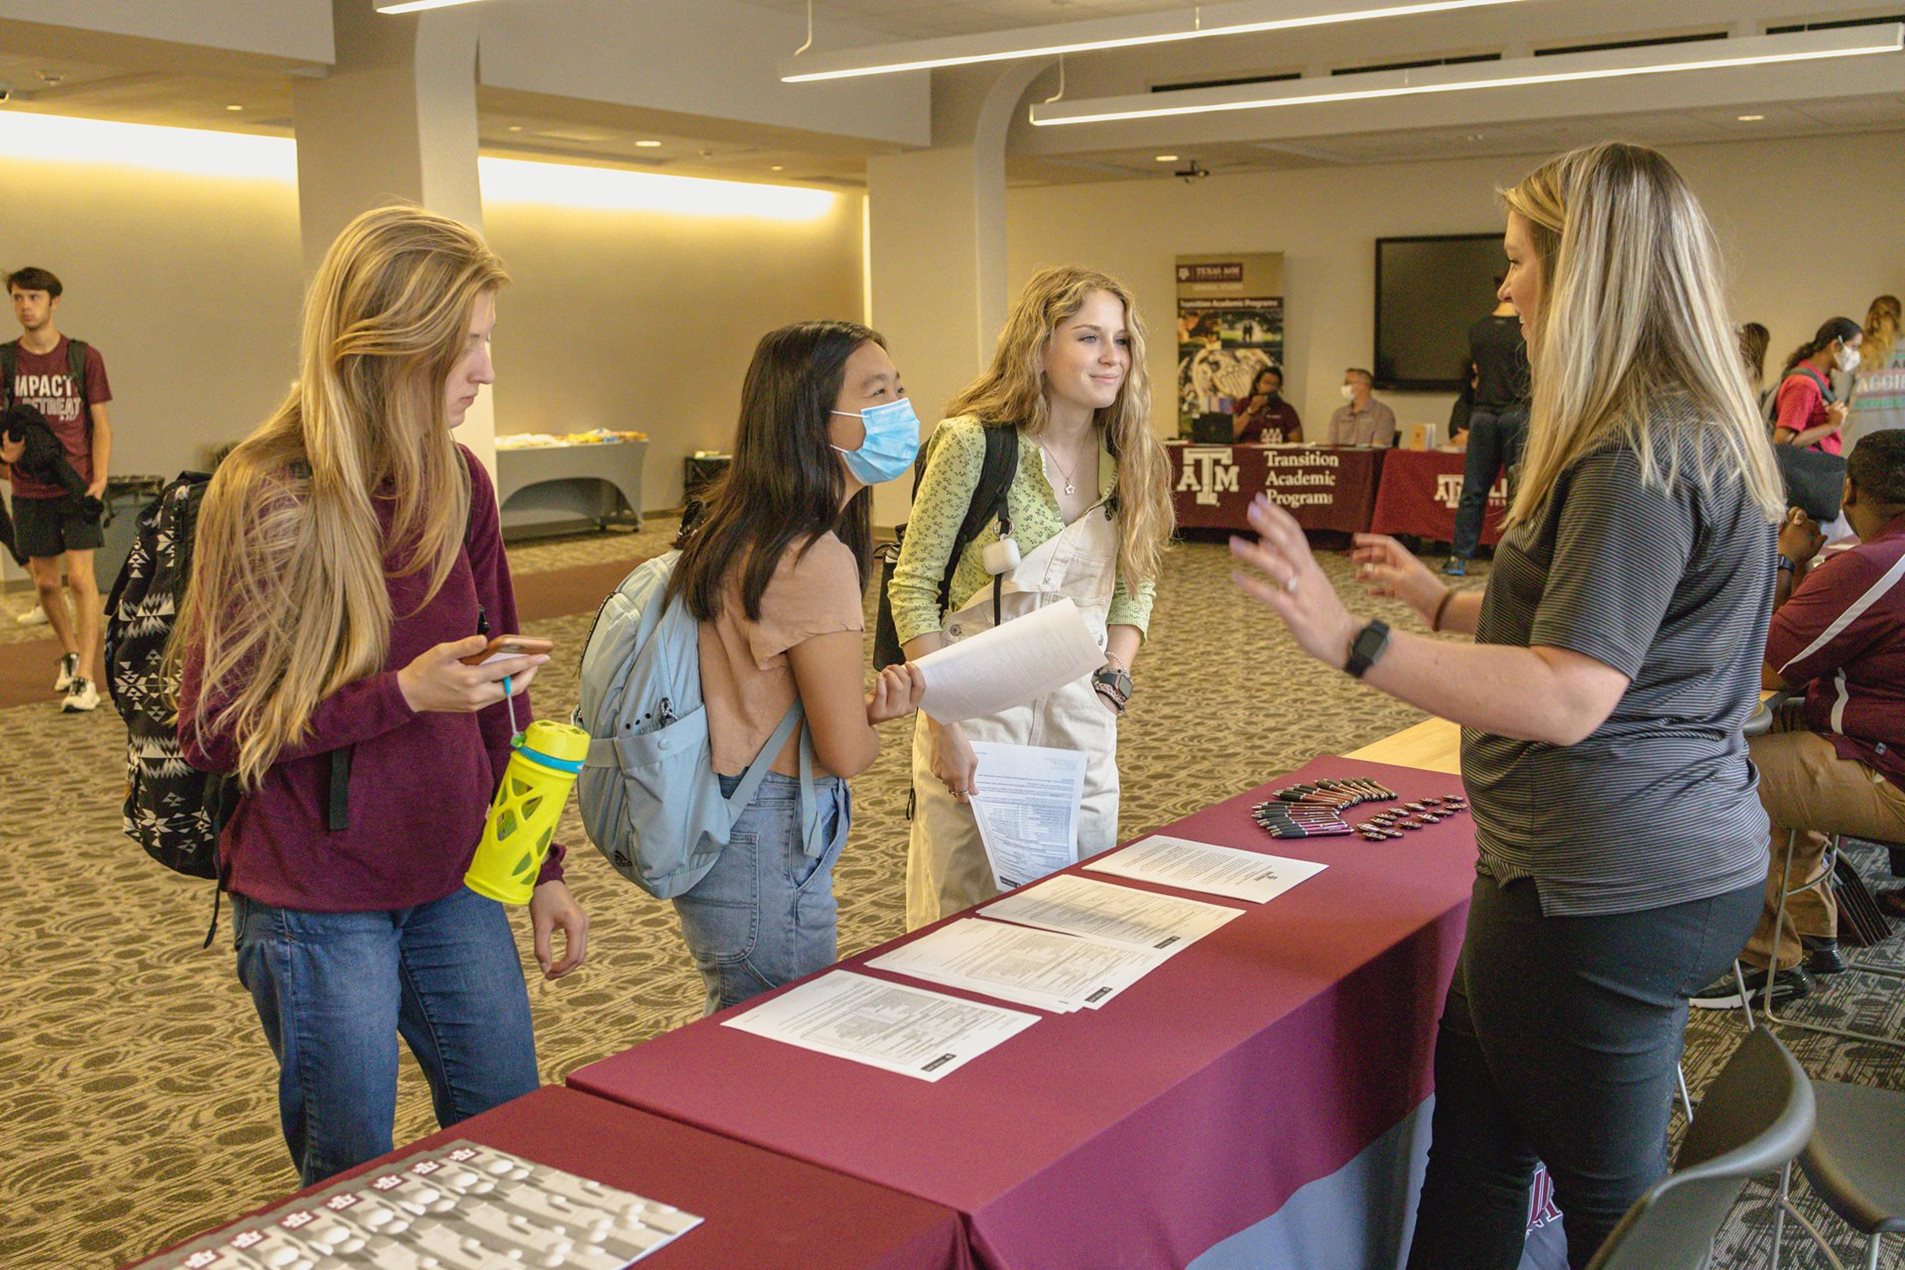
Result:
[
  {"x": 1113, "y": 685},
  {"x": 1366, "y": 648},
  {"x": 1783, "y": 563}
]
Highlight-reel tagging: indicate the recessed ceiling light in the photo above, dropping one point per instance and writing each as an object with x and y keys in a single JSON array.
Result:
[
  {"x": 1751, "y": 118},
  {"x": 1167, "y": 158},
  {"x": 234, "y": 107},
  {"x": 780, "y": 167},
  {"x": 649, "y": 145},
  {"x": 515, "y": 127}
]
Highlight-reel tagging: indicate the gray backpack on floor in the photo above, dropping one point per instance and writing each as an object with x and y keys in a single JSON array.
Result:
[{"x": 650, "y": 799}]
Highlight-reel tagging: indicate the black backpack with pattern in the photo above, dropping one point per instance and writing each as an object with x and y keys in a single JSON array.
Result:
[{"x": 172, "y": 809}]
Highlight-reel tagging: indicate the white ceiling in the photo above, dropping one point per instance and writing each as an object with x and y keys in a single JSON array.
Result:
[{"x": 597, "y": 132}]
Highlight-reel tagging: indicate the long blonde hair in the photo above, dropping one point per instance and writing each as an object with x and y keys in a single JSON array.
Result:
[
  {"x": 288, "y": 600},
  {"x": 1881, "y": 333},
  {"x": 1631, "y": 316},
  {"x": 1011, "y": 393}
]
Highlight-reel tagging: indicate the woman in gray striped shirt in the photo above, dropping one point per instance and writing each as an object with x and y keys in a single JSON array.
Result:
[{"x": 1616, "y": 653}]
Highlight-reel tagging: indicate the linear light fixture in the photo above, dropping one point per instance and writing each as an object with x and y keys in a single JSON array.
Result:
[
  {"x": 1195, "y": 23},
  {"x": 414, "y": 6},
  {"x": 1757, "y": 50}
]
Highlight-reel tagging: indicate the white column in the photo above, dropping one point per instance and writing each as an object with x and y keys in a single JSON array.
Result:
[
  {"x": 936, "y": 245},
  {"x": 394, "y": 122}
]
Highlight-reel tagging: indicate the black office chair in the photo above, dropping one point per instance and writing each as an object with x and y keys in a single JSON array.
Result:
[{"x": 1754, "y": 1118}]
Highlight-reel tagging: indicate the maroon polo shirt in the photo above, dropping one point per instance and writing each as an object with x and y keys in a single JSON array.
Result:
[{"x": 1842, "y": 636}]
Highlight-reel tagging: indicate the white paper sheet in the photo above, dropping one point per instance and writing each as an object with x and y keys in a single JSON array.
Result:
[
  {"x": 1027, "y": 808},
  {"x": 886, "y": 1025},
  {"x": 1040, "y": 968},
  {"x": 1115, "y": 914},
  {"x": 1199, "y": 866},
  {"x": 1009, "y": 665}
]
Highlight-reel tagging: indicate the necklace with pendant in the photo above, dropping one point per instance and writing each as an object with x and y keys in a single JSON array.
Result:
[{"x": 1070, "y": 485}]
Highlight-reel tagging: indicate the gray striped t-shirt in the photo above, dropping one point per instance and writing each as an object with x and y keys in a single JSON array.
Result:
[{"x": 1673, "y": 588}]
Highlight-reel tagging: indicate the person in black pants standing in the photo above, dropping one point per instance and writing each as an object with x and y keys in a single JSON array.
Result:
[
  {"x": 1497, "y": 423},
  {"x": 1616, "y": 655}
]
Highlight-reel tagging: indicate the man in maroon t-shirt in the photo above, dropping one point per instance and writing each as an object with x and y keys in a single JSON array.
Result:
[
  {"x": 51, "y": 529},
  {"x": 1838, "y": 633}
]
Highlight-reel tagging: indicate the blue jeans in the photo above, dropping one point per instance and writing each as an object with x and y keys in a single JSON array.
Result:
[
  {"x": 335, "y": 990},
  {"x": 1495, "y": 439},
  {"x": 765, "y": 914}
]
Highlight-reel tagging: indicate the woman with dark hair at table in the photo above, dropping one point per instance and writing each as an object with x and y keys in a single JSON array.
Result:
[
  {"x": 1616, "y": 653},
  {"x": 1264, "y": 416}
]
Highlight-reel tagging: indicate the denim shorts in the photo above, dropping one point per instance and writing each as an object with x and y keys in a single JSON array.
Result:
[{"x": 765, "y": 914}]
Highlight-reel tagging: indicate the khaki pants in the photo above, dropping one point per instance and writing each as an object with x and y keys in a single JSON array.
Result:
[{"x": 1810, "y": 792}]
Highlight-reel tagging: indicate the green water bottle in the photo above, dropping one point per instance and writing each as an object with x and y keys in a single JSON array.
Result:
[{"x": 522, "y": 819}]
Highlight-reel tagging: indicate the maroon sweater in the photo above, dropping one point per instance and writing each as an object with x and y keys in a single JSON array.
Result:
[{"x": 420, "y": 783}]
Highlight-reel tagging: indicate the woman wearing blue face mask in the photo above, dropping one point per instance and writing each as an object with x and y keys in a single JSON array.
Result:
[{"x": 775, "y": 573}]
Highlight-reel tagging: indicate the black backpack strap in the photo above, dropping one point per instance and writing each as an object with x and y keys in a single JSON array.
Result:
[
  {"x": 338, "y": 815},
  {"x": 989, "y": 503},
  {"x": 76, "y": 367}
]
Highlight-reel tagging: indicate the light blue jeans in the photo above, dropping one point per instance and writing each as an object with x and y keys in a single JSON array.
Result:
[
  {"x": 765, "y": 914},
  {"x": 335, "y": 990}
]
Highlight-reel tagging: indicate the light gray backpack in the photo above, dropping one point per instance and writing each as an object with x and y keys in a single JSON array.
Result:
[{"x": 650, "y": 799}]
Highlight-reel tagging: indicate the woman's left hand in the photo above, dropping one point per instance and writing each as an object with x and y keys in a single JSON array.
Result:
[
  {"x": 551, "y": 906},
  {"x": 1288, "y": 581}
]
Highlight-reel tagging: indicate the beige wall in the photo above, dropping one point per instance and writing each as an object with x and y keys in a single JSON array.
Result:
[
  {"x": 188, "y": 284},
  {"x": 1808, "y": 227},
  {"x": 647, "y": 320},
  {"x": 191, "y": 285}
]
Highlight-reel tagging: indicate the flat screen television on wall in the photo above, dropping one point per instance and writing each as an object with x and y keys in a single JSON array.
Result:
[{"x": 1428, "y": 292}]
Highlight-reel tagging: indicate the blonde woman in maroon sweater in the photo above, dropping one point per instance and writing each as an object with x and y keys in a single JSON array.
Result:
[{"x": 348, "y": 554}]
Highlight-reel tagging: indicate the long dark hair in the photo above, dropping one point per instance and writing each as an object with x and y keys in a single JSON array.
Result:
[
  {"x": 1839, "y": 328},
  {"x": 786, "y": 480}
]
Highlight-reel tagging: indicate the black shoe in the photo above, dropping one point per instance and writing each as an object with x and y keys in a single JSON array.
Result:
[
  {"x": 1724, "y": 993},
  {"x": 1822, "y": 956}
]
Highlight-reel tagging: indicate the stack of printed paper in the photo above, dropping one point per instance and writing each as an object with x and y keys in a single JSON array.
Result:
[{"x": 1040, "y": 968}]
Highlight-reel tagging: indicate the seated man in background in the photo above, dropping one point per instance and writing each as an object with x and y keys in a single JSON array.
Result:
[
  {"x": 1361, "y": 419},
  {"x": 1838, "y": 633}
]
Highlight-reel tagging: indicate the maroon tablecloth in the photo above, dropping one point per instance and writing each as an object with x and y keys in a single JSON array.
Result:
[
  {"x": 1192, "y": 1106},
  {"x": 1323, "y": 487},
  {"x": 760, "y": 1209},
  {"x": 1419, "y": 491}
]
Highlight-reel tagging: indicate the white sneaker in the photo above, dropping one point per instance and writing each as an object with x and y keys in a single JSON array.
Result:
[
  {"x": 80, "y": 696},
  {"x": 35, "y": 616},
  {"x": 69, "y": 669}
]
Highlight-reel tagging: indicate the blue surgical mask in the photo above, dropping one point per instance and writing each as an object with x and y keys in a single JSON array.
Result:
[{"x": 891, "y": 445}]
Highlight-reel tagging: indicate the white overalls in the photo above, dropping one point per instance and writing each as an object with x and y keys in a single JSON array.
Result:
[{"x": 946, "y": 868}]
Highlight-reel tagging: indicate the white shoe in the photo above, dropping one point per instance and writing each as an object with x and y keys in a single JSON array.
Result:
[
  {"x": 69, "y": 668},
  {"x": 81, "y": 696},
  {"x": 35, "y": 616}
]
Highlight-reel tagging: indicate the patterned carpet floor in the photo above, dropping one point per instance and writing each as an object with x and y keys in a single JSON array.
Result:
[{"x": 136, "y": 1091}]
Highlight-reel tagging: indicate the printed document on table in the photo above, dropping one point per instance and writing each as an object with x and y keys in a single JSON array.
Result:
[
  {"x": 1055, "y": 972},
  {"x": 1199, "y": 866},
  {"x": 1009, "y": 665},
  {"x": 886, "y": 1025},
  {"x": 1027, "y": 809},
  {"x": 1115, "y": 914}
]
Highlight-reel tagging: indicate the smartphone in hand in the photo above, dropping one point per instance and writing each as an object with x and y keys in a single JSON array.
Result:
[{"x": 504, "y": 647}]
